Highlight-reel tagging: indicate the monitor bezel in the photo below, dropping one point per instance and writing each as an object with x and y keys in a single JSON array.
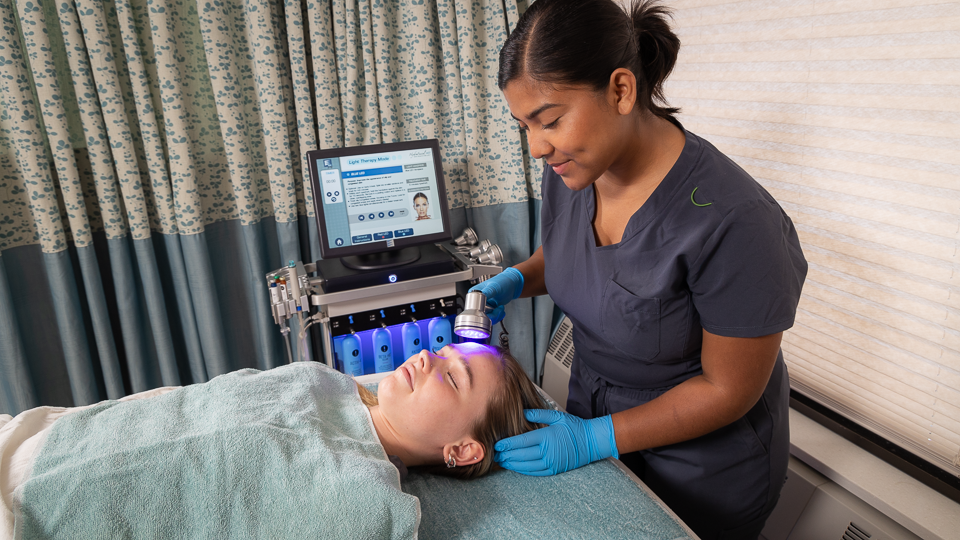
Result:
[{"x": 328, "y": 252}]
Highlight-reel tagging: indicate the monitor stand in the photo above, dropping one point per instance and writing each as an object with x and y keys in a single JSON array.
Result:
[{"x": 382, "y": 260}]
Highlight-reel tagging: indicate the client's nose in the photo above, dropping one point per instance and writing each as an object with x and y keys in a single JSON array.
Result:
[{"x": 427, "y": 360}]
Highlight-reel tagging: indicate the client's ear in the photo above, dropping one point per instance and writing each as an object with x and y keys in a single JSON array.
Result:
[{"x": 467, "y": 452}]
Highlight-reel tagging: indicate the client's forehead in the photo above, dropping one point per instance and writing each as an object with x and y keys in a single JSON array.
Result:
[{"x": 470, "y": 349}]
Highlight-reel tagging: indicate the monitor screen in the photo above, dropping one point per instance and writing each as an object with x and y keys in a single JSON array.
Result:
[{"x": 383, "y": 197}]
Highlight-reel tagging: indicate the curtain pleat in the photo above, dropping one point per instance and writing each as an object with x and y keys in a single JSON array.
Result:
[
  {"x": 184, "y": 306},
  {"x": 201, "y": 280},
  {"x": 69, "y": 317},
  {"x": 270, "y": 349},
  {"x": 16, "y": 385},
  {"x": 137, "y": 344},
  {"x": 100, "y": 321}
]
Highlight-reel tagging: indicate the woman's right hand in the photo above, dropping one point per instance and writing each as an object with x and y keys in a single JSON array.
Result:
[{"x": 500, "y": 290}]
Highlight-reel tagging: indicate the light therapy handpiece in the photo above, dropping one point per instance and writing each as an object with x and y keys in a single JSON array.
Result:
[
  {"x": 439, "y": 330},
  {"x": 383, "y": 356}
]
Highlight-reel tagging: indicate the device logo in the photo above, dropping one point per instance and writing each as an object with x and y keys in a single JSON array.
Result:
[
  {"x": 384, "y": 348},
  {"x": 416, "y": 341},
  {"x": 419, "y": 153},
  {"x": 392, "y": 278},
  {"x": 439, "y": 339},
  {"x": 327, "y": 163},
  {"x": 356, "y": 352}
]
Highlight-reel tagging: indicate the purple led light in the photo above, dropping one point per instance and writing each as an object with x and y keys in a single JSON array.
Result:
[{"x": 472, "y": 333}]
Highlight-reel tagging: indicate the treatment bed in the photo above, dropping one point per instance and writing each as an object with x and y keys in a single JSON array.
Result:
[
  {"x": 601, "y": 500},
  {"x": 176, "y": 462}
]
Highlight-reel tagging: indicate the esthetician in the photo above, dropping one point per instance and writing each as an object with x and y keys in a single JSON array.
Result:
[{"x": 678, "y": 270}]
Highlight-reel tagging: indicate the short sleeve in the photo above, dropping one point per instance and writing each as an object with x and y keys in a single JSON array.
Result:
[{"x": 747, "y": 280}]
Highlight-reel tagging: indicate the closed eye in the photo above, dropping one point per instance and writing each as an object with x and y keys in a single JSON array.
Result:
[
  {"x": 551, "y": 125},
  {"x": 454, "y": 381}
]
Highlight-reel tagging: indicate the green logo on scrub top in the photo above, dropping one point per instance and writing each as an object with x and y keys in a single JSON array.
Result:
[{"x": 695, "y": 202}]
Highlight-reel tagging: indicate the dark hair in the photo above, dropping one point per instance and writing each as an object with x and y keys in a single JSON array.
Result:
[
  {"x": 581, "y": 42},
  {"x": 420, "y": 195}
]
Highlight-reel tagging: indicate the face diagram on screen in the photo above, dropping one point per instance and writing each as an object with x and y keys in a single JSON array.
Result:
[
  {"x": 421, "y": 205},
  {"x": 378, "y": 197}
]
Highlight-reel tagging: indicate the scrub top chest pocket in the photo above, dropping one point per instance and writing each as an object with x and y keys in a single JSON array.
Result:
[{"x": 630, "y": 323}]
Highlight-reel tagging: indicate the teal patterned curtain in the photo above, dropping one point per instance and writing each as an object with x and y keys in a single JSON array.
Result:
[{"x": 151, "y": 171}]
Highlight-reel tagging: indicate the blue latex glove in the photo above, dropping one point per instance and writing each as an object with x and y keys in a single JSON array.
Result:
[
  {"x": 568, "y": 442},
  {"x": 500, "y": 290}
]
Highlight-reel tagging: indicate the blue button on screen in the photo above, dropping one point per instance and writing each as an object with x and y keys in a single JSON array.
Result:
[
  {"x": 403, "y": 232},
  {"x": 362, "y": 238},
  {"x": 382, "y": 235}
]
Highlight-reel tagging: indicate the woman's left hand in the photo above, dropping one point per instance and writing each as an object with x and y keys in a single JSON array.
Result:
[{"x": 566, "y": 443}]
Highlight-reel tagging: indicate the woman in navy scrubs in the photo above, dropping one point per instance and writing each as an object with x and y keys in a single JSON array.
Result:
[{"x": 678, "y": 270}]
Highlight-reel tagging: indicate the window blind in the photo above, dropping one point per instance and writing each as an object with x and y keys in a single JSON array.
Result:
[{"x": 848, "y": 112}]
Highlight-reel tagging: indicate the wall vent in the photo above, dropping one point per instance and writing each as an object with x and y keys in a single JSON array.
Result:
[
  {"x": 855, "y": 532},
  {"x": 561, "y": 346},
  {"x": 557, "y": 362}
]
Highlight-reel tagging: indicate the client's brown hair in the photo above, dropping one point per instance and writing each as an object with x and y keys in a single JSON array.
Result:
[{"x": 503, "y": 417}]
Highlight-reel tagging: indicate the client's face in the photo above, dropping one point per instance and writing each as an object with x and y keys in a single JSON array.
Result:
[{"x": 436, "y": 398}]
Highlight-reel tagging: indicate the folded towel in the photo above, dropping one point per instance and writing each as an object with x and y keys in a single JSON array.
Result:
[{"x": 285, "y": 453}]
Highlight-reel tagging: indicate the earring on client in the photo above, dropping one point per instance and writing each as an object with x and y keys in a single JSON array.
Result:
[{"x": 451, "y": 463}]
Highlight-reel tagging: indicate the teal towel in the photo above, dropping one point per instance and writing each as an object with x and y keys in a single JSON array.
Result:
[
  {"x": 286, "y": 453},
  {"x": 596, "y": 501}
]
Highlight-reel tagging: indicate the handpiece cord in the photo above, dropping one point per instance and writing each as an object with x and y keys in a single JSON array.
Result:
[
  {"x": 286, "y": 341},
  {"x": 302, "y": 336}
]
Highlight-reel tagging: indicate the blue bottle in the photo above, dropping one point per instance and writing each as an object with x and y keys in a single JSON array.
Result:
[
  {"x": 410, "y": 335},
  {"x": 338, "y": 354},
  {"x": 352, "y": 358},
  {"x": 439, "y": 330},
  {"x": 382, "y": 355}
]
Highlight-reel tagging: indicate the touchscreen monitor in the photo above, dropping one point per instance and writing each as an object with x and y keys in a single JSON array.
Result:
[{"x": 379, "y": 198}]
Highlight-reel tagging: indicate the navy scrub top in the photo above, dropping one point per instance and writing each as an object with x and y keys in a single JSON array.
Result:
[{"x": 709, "y": 249}]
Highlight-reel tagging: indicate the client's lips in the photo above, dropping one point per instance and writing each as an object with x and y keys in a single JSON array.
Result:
[{"x": 405, "y": 371}]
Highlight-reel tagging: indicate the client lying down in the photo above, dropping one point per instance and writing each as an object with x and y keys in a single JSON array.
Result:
[{"x": 298, "y": 451}]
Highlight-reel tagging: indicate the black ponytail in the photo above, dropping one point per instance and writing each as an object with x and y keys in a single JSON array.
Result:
[
  {"x": 581, "y": 42},
  {"x": 657, "y": 53}
]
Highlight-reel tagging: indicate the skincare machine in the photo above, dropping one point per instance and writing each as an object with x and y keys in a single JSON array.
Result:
[{"x": 386, "y": 285}]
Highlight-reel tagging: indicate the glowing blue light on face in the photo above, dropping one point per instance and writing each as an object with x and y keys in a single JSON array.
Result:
[{"x": 472, "y": 333}]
